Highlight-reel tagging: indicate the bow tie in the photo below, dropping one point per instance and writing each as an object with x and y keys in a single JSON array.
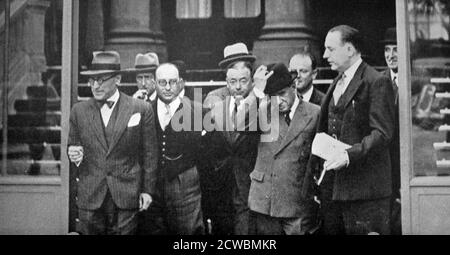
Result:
[{"x": 109, "y": 103}]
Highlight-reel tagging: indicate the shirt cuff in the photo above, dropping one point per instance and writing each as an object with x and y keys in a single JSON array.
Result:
[
  {"x": 258, "y": 93},
  {"x": 347, "y": 159}
]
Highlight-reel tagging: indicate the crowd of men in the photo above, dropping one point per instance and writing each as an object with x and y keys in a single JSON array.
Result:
[{"x": 140, "y": 173}]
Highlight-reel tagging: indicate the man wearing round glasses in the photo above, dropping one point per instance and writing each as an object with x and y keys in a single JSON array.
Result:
[
  {"x": 178, "y": 200},
  {"x": 112, "y": 144}
]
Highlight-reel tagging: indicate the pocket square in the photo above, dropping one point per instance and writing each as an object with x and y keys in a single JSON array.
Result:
[{"x": 134, "y": 120}]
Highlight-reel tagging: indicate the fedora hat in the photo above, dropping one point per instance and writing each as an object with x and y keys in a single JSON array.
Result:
[
  {"x": 280, "y": 79},
  {"x": 104, "y": 62},
  {"x": 390, "y": 36},
  {"x": 236, "y": 52},
  {"x": 145, "y": 62}
]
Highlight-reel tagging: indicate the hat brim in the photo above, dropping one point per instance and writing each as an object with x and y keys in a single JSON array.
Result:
[
  {"x": 99, "y": 72},
  {"x": 384, "y": 42},
  {"x": 140, "y": 70},
  {"x": 224, "y": 63}
]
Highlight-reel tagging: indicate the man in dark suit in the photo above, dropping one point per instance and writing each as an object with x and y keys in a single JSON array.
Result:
[
  {"x": 304, "y": 66},
  {"x": 281, "y": 196},
  {"x": 233, "y": 152},
  {"x": 144, "y": 67},
  {"x": 391, "y": 57},
  {"x": 358, "y": 110},
  {"x": 178, "y": 198},
  {"x": 112, "y": 141}
]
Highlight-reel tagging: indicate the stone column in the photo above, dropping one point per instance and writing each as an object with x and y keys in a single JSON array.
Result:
[
  {"x": 286, "y": 31},
  {"x": 135, "y": 26}
]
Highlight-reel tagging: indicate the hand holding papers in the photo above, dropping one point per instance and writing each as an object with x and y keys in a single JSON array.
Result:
[{"x": 329, "y": 149}]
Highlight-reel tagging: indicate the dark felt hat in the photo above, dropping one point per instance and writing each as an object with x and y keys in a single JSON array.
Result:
[
  {"x": 104, "y": 62},
  {"x": 145, "y": 63},
  {"x": 390, "y": 36},
  {"x": 280, "y": 79},
  {"x": 236, "y": 52}
]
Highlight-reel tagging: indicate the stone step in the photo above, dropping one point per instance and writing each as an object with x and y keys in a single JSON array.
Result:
[
  {"x": 46, "y": 91},
  {"x": 28, "y": 119},
  {"x": 37, "y": 105},
  {"x": 34, "y": 135}
]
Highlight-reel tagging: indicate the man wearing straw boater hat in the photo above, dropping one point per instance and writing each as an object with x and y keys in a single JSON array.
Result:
[
  {"x": 112, "y": 145},
  {"x": 234, "y": 151},
  {"x": 390, "y": 55},
  {"x": 144, "y": 67}
]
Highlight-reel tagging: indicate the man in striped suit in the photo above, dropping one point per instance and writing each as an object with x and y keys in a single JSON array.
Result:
[{"x": 112, "y": 143}]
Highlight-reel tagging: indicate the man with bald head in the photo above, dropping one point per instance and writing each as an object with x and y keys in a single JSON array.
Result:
[
  {"x": 303, "y": 66},
  {"x": 178, "y": 198}
]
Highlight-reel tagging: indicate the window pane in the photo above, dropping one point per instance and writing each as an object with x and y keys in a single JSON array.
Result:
[
  {"x": 193, "y": 9},
  {"x": 34, "y": 102},
  {"x": 430, "y": 59},
  {"x": 242, "y": 8}
]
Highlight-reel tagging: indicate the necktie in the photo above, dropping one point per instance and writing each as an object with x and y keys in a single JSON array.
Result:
[
  {"x": 339, "y": 89},
  {"x": 237, "y": 102},
  {"x": 287, "y": 118},
  {"x": 166, "y": 116},
  {"x": 395, "y": 87}
]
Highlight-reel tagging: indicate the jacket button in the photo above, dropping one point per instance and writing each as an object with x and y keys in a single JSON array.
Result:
[
  {"x": 77, "y": 179},
  {"x": 163, "y": 149},
  {"x": 76, "y": 198}
]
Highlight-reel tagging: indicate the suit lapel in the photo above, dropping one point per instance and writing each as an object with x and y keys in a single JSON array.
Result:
[
  {"x": 353, "y": 86},
  {"x": 123, "y": 115},
  {"x": 97, "y": 124},
  {"x": 298, "y": 124}
]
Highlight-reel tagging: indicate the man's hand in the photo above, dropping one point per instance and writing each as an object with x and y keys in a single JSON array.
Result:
[
  {"x": 338, "y": 161},
  {"x": 75, "y": 154},
  {"x": 140, "y": 94},
  {"x": 144, "y": 201},
  {"x": 260, "y": 77}
]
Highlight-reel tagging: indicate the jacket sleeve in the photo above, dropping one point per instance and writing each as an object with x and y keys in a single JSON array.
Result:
[
  {"x": 150, "y": 150},
  {"x": 381, "y": 120},
  {"x": 74, "y": 136}
]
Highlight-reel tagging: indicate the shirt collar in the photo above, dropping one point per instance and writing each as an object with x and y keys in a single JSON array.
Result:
[
  {"x": 173, "y": 105},
  {"x": 307, "y": 95},
  {"x": 350, "y": 72},
  {"x": 114, "y": 97},
  {"x": 393, "y": 75},
  {"x": 181, "y": 94},
  {"x": 152, "y": 96}
]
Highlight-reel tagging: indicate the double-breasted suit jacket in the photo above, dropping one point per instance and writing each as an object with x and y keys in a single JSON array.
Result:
[
  {"x": 364, "y": 119},
  {"x": 126, "y": 166},
  {"x": 281, "y": 182}
]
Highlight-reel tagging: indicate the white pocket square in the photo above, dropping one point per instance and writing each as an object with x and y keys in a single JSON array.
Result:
[{"x": 134, "y": 120}]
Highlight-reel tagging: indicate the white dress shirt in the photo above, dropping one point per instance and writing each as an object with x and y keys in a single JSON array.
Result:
[
  {"x": 106, "y": 111},
  {"x": 294, "y": 107},
  {"x": 166, "y": 111},
  {"x": 307, "y": 95},
  {"x": 349, "y": 73}
]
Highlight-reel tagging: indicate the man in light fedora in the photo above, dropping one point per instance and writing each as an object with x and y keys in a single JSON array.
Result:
[
  {"x": 112, "y": 145},
  {"x": 234, "y": 152},
  {"x": 144, "y": 67},
  {"x": 390, "y": 55}
]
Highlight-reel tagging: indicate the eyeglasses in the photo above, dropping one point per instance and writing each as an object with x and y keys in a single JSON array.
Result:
[
  {"x": 294, "y": 73},
  {"x": 241, "y": 81},
  {"x": 99, "y": 80},
  {"x": 163, "y": 82}
]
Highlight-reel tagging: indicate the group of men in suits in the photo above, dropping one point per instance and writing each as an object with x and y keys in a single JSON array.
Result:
[{"x": 131, "y": 158}]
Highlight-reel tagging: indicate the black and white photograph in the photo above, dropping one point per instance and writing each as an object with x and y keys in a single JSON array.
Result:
[{"x": 237, "y": 121}]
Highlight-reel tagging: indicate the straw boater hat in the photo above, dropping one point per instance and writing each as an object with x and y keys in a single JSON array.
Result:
[
  {"x": 236, "y": 52},
  {"x": 104, "y": 62},
  {"x": 390, "y": 37},
  {"x": 145, "y": 63}
]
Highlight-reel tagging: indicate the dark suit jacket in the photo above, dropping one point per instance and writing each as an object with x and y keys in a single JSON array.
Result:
[
  {"x": 281, "y": 180},
  {"x": 395, "y": 147},
  {"x": 127, "y": 167},
  {"x": 367, "y": 112},
  {"x": 316, "y": 97}
]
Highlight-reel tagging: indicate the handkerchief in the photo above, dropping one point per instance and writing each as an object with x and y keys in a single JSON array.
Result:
[{"x": 134, "y": 120}]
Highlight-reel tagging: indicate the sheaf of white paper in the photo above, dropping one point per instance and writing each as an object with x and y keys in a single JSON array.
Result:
[{"x": 324, "y": 146}]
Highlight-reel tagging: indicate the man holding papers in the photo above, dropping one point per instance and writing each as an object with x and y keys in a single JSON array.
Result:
[{"x": 358, "y": 110}]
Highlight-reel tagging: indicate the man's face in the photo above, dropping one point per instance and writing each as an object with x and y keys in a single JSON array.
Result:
[
  {"x": 286, "y": 98},
  {"x": 167, "y": 83},
  {"x": 146, "y": 81},
  {"x": 305, "y": 75},
  {"x": 390, "y": 55},
  {"x": 239, "y": 81},
  {"x": 103, "y": 86},
  {"x": 336, "y": 52}
]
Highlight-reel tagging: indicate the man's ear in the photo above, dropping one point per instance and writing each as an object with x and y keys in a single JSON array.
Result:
[{"x": 118, "y": 78}]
